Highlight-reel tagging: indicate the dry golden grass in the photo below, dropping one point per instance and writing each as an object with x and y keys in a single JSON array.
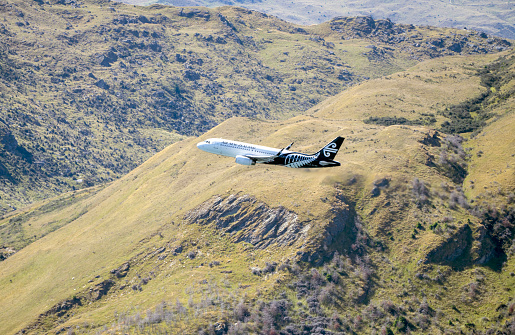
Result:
[
  {"x": 425, "y": 88},
  {"x": 121, "y": 220}
]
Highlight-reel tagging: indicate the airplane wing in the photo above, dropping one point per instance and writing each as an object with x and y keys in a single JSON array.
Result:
[
  {"x": 265, "y": 159},
  {"x": 261, "y": 159}
]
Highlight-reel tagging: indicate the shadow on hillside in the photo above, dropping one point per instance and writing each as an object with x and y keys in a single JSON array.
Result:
[
  {"x": 457, "y": 252},
  {"x": 347, "y": 236}
]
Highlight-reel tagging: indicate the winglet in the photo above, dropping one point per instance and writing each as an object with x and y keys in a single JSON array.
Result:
[{"x": 285, "y": 148}]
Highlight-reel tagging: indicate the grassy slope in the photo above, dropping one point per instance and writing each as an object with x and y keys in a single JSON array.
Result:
[
  {"x": 122, "y": 220},
  {"x": 426, "y": 88},
  {"x": 167, "y": 79}
]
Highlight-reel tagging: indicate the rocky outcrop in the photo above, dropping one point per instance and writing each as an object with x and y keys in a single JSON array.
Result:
[
  {"x": 385, "y": 31},
  {"x": 64, "y": 309},
  {"x": 108, "y": 58},
  {"x": 195, "y": 13},
  {"x": 122, "y": 270},
  {"x": 452, "y": 249},
  {"x": 98, "y": 291},
  {"x": 59, "y": 310},
  {"x": 249, "y": 220},
  {"x": 464, "y": 248},
  {"x": 431, "y": 138},
  {"x": 6, "y": 252},
  {"x": 364, "y": 26},
  {"x": 10, "y": 145},
  {"x": 102, "y": 84}
]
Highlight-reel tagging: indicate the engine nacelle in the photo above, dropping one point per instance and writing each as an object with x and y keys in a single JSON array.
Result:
[{"x": 244, "y": 160}]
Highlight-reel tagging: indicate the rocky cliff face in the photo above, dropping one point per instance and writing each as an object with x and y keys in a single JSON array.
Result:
[
  {"x": 407, "y": 37},
  {"x": 249, "y": 220}
]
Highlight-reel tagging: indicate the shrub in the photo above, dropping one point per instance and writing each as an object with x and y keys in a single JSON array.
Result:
[
  {"x": 472, "y": 290},
  {"x": 425, "y": 308},
  {"x": 191, "y": 254},
  {"x": 389, "y": 307},
  {"x": 389, "y": 120},
  {"x": 285, "y": 267},
  {"x": 373, "y": 313},
  {"x": 241, "y": 312},
  {"x": 447, "y": 219},
  {"x": 358, "y": 322},
  {"x": 461, "y": 119},
  {"x": 275, "y": 314},
  {"x": 338, "y": 261},
  {"x": 458, "y": 198},
  {"x": 256, "y": 271},
  {"x": 453, "y": 159},
  {"x": 420, "y": 191},
  {"x": 326, "y": 294},
  {"x": 214, "y": 263},
  {"x": 316, "y": 278},
  {"x": 386, "y": 331},
  {"x": 269, "y": 268},
  {"x": 314, "y": 305}
]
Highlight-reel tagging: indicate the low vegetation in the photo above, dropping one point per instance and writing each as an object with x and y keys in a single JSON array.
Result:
[
  {"x": 91, "y": 90},
  {"x": 412, "y": 234}
]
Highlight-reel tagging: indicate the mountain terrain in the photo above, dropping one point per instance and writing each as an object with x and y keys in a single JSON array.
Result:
[
  {"x": 412, "y": 234},
  {"x": 493, "y": 17},
  {"x": 91, "y": 89}
]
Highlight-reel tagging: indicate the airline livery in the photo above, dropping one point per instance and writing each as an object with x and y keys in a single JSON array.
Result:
[{"x": 250, "y": 154}]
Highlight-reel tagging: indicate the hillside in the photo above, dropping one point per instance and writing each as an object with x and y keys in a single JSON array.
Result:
[
  {"x": 411, "y": 234},
  {"x": 493, "y": 17},
  {"x": 89, "y": 90}
]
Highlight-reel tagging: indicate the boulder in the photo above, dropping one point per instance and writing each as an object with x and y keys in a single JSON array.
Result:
[
  {"x": 102, "y": 84},
  {"x": 108, "y": 58}
]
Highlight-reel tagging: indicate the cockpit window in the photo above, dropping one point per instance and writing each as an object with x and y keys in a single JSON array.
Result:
[{"x": 208, "y": 142}]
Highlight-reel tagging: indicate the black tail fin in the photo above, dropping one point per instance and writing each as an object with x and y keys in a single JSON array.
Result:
[{"x": 328, "y": 152}]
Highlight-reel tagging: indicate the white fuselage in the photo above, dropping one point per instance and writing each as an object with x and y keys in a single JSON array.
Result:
[
  {"x": 251, "y": 154},
  {"x": 234, "y": 148}
]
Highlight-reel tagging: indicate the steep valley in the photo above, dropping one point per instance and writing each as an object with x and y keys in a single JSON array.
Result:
[
  {"x": 91, "y": 89},
  {"x": 412, "y": 234}
]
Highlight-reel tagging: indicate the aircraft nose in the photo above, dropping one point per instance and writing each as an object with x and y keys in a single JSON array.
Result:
[{"x": 201, "y": 145}]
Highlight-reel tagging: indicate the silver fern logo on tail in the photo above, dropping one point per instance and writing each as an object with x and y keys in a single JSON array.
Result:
[
  {"x": 328, "y": 152},
  {"x": 330, "y": 149}
]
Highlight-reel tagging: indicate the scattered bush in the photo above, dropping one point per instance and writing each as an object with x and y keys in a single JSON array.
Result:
[
  {"x": 401, "y": 323},
  {"x": 191, "y": 254},
  {"x": 241, "y": 312},
  {"x": 453, "y": 159},
  {"x": 388, "y": 307},
  {"x": 500, "y": 225},
  {"x": 394, "y": 120},
  {"x": 472, "y": 290},
  {"x": 269, "y": 268},
  {"x": 327, "y": 294},
  {"x": 458, "y": 199},
  {"x": 214, "y": 263},
  {"x": 420, "y": 191},
  {"x": 461, "y": 119}
]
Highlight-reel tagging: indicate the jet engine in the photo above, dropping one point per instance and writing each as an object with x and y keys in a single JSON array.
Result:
[{"x": 244, "y": 160}]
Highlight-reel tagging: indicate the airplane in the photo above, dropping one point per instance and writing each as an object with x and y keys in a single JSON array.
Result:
[{"x": 250, "y": 154}]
